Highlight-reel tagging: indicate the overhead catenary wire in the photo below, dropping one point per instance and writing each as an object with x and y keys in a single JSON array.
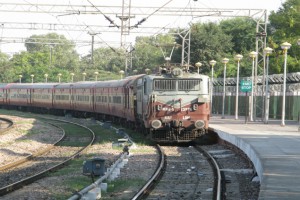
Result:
[
  {"x": 145, "y": 18},
  {"x": 105, "y": 16}
]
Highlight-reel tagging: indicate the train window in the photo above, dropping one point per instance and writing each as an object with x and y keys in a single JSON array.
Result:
[
  {"x": 62, "y": 97},
  {"x": 189, "y": 84},
  {"x": 82, "y": 98},
  {"x": 117, "y": 99},
  {"x": 164, "y": 85}
]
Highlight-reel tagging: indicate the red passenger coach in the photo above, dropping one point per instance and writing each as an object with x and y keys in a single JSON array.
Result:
[
  {"x": 19, "y": 94},
  {"x": 3, "y": 94},
  {"x": 62, "y": 96},
  {"x": 41, "y": 95},
  {"x": 83, "y": 96},
  {"x": 102, "y": 97}
]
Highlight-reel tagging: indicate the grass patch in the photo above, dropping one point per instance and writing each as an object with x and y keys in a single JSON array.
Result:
[
  {"x": 72, "y": 184},
  {"x": 71, "y": 168},
  {"x": 104, "y": 135},
  {"x": 120, "y": 185}
]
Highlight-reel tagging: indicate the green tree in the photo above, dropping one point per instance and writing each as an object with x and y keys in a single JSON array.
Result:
[
  {"x": 107, "y": 61},
  {"x": 50, "y": 53},
  {"x": 285, "y": 26},
  {"x": 5, "y": 67},
  {"x": 150, "y": 52},
  {"x": 209, "y": 42},
  {"x": 242, "y": 32}
]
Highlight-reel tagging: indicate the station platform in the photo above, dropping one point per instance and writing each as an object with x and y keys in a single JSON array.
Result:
[{"x": 273, "y": 149}]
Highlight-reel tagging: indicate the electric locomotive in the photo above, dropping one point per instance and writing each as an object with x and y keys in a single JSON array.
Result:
[{"x": 173, "y": 105}]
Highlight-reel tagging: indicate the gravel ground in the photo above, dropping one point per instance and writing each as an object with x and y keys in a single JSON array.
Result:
[
  {"x": 238, "y": 172},
  {"x": 26, "y": 138},
  {"x": 141, "y": 165}
]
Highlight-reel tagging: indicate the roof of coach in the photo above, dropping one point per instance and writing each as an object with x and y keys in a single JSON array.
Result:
[
  {"x": 19, "y": 86},
  {"x": 64, "y": 85},
  {"x": 43, "y": 85},
  {"x": 84, "y": 84},
  {"x": 118, "y": 83},
  {"x": 3, "y": 85}
]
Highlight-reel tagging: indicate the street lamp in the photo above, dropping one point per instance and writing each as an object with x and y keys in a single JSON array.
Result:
[
  {"x": 198, "y": 65},
  {"x": 252, "y": 55},
  {"x": 135, "y": 71},
  {"x": 96, "y": 75},
  {"x": 238, "y": 58},
  {"x": 72, "y": 77},
  {"x": 46, "y": 77},
  {"x": 59, "y": 75},
  {"x": 121, "y": 72},
  {"x": 224, "y": 61},
  {"x": 298, "y": 42},
  {"x": 212, "y": 63},
  {"x": 147, "y": 70},
  {"x": 267, "y": 52},
  {"x": 285, "y": 46},
  {"x": 32, "y": 78},
  {"x": 20, "y": 78},
  {"x": 83, "y": 74}
]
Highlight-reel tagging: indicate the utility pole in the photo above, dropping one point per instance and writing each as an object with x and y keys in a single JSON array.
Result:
[
  {"x": 92, "y": 50},
  {"x": 125, "y": 20}
]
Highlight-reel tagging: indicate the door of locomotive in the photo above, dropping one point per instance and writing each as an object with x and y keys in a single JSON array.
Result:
[{"x": 139, "y": 98}]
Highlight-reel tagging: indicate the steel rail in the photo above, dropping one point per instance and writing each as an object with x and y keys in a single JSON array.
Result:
[
  {"x": 145, "y": 190},
  {"x": 28, "y": 180},
  {"x": 217, "y": 186},
  {"x": 10, "y": 126}
]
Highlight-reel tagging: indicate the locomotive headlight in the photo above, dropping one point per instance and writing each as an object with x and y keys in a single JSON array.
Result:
[
  {"x": 156, "y": 124},
  {"x": 195, "y": 107},
  {"x": 199, "y": 124},
  {"x": 158, "y": 107}
]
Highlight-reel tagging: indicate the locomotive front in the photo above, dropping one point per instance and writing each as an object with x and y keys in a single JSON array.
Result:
[{"x": 177, "y": 105}]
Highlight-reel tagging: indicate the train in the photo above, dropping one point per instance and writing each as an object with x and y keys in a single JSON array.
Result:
[{"x": 172, "y": 105}]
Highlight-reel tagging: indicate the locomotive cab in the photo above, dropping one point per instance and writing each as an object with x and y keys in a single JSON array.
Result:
[{"x": 173, "y": 105}]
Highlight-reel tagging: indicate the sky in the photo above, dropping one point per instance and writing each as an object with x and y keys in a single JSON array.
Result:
[{"x": 104, "y": 10}]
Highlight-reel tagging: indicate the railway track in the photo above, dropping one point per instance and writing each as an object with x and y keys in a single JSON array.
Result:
[
  {"x": 53, "y": 158},
  {"x": 183, "y": 173},
  {"x": 218, "y": 171},
  {"x": 5, "y": 125}
]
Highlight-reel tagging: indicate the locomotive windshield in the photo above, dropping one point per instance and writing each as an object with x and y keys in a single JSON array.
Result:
[{"x": 176, "y": 84}]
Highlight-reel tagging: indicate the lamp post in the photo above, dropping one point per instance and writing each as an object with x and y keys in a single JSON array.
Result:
[
  {"x": 20, "y": 78},
  {"x": 31, "y": 78},
  {"x": 198, "y": 65},
  {"x": 96, "y": 75},
  {"x": 212, "y": 63},
  {"x": 224, "y": 61},
  {"x": 121, "y": 72},
  {"x": 147, "y": 70},
  {"x": 238, "y": 58},
  {"x": 72, "y": 77},
  {"x": 285, "y": 46},
  {"x": 252, "y": 55},
  {"x": 267, "y": 52},
  {"x": 298, "y": 42},
  {"x": 46, "y": 77},
  {"x": 83, "y": 76},
  {"x": 59, "y": 75}
]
